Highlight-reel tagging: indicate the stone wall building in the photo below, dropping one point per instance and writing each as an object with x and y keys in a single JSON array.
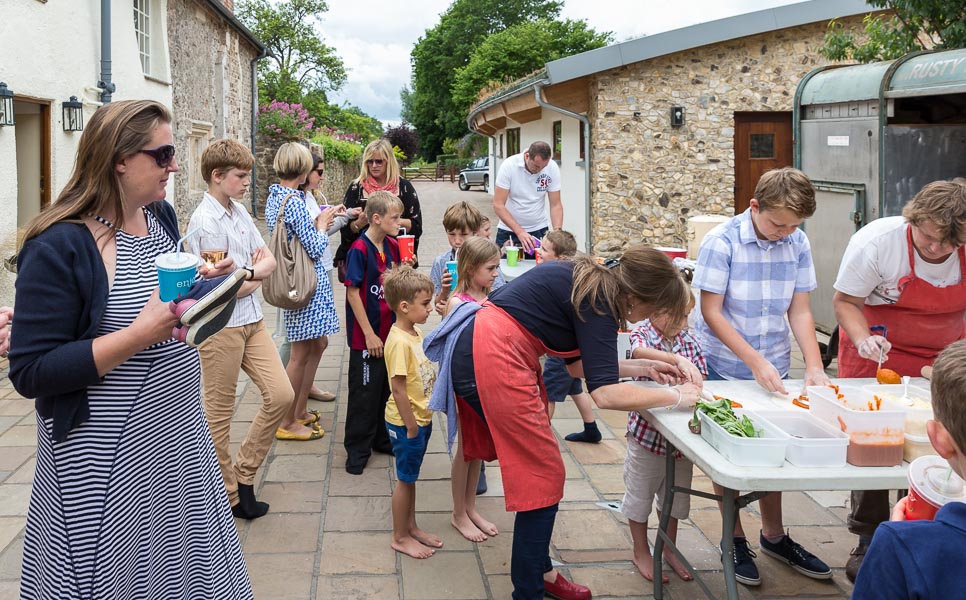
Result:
[
  {"x": 338, "y": 175},
  {"x": 212, "y": 61},
  {"x": 732, "y": 82}
]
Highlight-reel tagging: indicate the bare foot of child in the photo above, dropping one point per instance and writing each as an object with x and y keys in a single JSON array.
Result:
[
  {"x": 645, "y": 565},
  {"x": 411, "y": 547},
  {"x": 465, "y": 526},
  {"x": 426, "y": 538},
  {"x": 676, "y": 565},
  {"x": 483, "y": 525}
]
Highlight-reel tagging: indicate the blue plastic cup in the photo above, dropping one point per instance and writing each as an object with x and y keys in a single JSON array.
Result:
[
  {"x": 176, "y": 274},
  {"x": 451, "y": 267}
]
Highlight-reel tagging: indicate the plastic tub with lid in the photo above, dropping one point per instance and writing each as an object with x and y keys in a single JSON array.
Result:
[
  {"x": 765, "y": 451},
  {"x": 876, "y": 437},
  {"x": 917, "y": 414}
]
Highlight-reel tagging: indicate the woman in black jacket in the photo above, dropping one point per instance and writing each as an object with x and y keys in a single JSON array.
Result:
[
  {"x": 380, "y": 171},
  {"x": 124, "y": 454}
]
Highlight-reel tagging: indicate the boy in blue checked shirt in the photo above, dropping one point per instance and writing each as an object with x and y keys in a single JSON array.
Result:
[
  {"x": 368, "y": 319},
  {"x": 660, "y": 339},
  {"x": 753, "y": 271}
]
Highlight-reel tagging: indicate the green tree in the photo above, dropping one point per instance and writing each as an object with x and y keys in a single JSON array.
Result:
[
  {"x": 914, "y": 25},
  {"x": 298, "y": 61},
  {"x": 519, "y": 50},
  {"x": 447, "y": 47}
]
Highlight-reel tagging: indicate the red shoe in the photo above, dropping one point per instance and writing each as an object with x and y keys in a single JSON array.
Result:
[{"x": 565, "y": 590}]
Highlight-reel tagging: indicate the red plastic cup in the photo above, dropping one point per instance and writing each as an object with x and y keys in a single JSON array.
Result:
[
  {"x": 673, "y": 253},
  {"x": 406, "y": 247},
  {"x": 931, "y": 485}
]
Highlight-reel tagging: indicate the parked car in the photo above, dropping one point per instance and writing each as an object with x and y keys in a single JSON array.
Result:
[{"x": 476, "y": 173}]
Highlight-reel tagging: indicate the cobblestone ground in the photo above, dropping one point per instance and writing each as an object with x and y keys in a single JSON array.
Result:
[{"x": 327, "y": 535}]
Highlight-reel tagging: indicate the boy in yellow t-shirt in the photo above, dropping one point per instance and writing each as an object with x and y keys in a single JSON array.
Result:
[{"x": 409, "y": 421}]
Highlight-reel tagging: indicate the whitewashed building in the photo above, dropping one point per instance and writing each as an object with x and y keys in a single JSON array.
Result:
[{"x": 191, "y": 55}]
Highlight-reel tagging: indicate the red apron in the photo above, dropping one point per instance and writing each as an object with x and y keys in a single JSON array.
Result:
[
  {"x": 506, "y": 359},
  {"x": 923, "y": 321}
]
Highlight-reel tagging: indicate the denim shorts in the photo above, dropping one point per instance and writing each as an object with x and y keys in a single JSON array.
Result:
[
  {"x": 408, "y": 452},
  {"x": 558, "y": 380}
]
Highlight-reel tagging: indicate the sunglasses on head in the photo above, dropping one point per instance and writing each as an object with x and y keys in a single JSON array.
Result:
[
  {"x": 375, "y": 161},
  {"x": 163, "y": 155}
]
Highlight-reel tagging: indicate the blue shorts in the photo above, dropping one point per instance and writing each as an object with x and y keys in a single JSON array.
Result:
[
  {"x": 408, "y": 452},
  {"x": 558, "y": 380}
]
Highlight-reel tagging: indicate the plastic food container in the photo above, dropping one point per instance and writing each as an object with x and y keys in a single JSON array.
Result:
[
  {"x": 916, "y": 446},
  {"x": 876, "y": 437},
  {"x": 811, "y": 442},
  {"x": 765, "y": 451},
  {"x": 917, "y": 414}
]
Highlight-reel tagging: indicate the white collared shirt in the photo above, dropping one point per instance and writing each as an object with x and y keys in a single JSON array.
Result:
[{"x": 243, "y": 240}]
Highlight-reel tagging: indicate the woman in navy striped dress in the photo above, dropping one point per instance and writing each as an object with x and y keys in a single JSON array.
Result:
[{"x": 127, "y": 499}]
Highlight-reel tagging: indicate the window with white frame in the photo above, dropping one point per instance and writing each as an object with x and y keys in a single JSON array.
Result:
[{"x": 142, "y": 30}]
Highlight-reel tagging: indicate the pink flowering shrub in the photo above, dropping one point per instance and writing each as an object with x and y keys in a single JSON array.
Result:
[{"x": 285, "y": 121}]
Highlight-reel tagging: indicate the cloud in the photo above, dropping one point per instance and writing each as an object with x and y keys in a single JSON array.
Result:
[{"x": 375, "y": 37}]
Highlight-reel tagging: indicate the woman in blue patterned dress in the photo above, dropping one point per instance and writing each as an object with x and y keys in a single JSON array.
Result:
[
  {"x": 127, "y": 500},
  {"x": 306, "y": 328}
]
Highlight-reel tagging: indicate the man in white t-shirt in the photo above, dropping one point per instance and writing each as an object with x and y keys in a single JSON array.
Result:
[
  {"x": 523, "y": 185},
  {"x": 906, "y": 273}
]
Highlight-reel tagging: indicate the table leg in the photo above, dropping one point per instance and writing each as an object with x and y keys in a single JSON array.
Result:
[
  {"x": 729, "y": 514},
  {"x": 666, "y": 504}
]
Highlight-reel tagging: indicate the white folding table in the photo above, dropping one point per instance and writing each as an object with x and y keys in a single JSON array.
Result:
[
  {"x": 756, "y": 481},
  {"x": 511, "y": 273}
]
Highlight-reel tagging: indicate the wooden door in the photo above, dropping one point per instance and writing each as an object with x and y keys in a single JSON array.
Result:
[{"x": 763, "y": 141}]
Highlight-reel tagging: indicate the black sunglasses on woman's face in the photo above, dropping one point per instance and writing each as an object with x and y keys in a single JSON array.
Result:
[{"x": 163, "y": 155}]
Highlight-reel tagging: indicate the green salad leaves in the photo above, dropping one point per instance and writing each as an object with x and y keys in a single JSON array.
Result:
[{"x": 721, "y": 413}]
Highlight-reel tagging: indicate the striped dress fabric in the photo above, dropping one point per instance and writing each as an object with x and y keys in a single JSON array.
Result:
[{"x": 132, "y": 504}]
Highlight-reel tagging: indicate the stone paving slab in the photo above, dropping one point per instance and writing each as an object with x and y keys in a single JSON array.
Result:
[{"x": 327, "y": 535}]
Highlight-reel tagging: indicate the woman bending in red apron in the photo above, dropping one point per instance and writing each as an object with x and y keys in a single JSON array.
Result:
[
  {"x": 571, "y": 309},
  {"x": 906, "y": 273}
]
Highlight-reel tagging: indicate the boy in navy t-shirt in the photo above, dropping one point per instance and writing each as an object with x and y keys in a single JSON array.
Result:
[
  {"x": 924, "y": 559},
  {"x": 368, "y": 319}
]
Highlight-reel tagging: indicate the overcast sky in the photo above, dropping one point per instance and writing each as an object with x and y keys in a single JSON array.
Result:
[{"x": 375, "y": 37}]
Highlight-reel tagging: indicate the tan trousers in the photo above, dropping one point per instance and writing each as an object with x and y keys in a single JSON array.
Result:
[{"x": 223, "y": 355}]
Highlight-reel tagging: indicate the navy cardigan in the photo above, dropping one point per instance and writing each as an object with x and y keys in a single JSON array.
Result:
[{"x": 62, "y": 291}]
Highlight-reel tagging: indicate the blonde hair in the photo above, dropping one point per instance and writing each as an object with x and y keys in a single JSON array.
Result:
[
  {"x": 473, "y": 254},
  {"x": 401, "y": 283},
  {"x": 944, "y": 204},
  {"x": 564, "y": 243},
  {"x": 644, "y": 273},
  {"x": 292, "y": 161},
  {"x": 380, "y": 203},
  {"x": 114, "y": 132},
  {"x": 224, "y": 155},
  {"x": 375, "y": 149},
  {"x": 462, "y": 216},
  {"x": 786, "y": 188},
  {"x": 949, "y": 391}
]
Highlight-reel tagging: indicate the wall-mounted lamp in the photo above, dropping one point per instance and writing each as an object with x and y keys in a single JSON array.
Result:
[
  {"x": 73, "y": 115},
  {"x": 6, "y": 105},
  {"x": 677, "y": 116}
]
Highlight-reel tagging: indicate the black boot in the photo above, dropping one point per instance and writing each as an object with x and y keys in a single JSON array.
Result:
[
  {"x": 248, "y": 507},
  {"x": 590, "y": 434},
  {"x": 481, "y": 484}
]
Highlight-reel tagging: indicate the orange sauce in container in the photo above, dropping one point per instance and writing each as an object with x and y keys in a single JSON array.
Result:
[{"x": 875, "y": 448}]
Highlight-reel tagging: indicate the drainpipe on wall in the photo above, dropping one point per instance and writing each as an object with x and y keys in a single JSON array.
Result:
[
  {"x": 105, "y": 84},
  {"x": 254, "y": 187},
  {"x": 538, "y": 94}
]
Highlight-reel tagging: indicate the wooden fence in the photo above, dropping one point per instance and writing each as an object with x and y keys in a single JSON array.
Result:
[{"x": 431, "y": 173}]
